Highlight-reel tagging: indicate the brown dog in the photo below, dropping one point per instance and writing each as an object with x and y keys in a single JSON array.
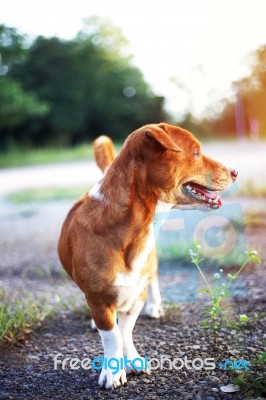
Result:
[
  {"x": 104, "y": 153},
  {"x": 107, "y": 237}
]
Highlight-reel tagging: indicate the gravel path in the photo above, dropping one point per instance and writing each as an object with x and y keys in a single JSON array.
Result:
[
  {"x": 29, "y": 264},
  {"x": 27, "y": 371}
]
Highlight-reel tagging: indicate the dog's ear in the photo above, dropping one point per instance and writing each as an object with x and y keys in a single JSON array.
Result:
[{"x": 161, "y": 137}]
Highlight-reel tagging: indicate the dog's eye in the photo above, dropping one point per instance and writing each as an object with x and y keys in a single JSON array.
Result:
[{"x": 196, "y": 153}]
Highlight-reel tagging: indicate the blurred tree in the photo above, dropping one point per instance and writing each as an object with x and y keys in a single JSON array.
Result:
[
  {"x": 91, "y": 87},
  {"x": 251, "y": 92},
  {"x": 49, "y": 72},
  {"x": 117, "y": 98},
  {"x": 13, "y": 48},
  {"x": 17, "y": 106}
]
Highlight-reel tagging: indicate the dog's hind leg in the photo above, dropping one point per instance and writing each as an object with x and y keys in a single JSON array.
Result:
[
  {"x": 126, "y": 323},
  {"x": 93, "y": 325},
  {"x": 153, "y": 306}
]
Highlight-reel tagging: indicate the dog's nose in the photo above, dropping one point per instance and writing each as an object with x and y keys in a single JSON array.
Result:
[{"x": 234, "y": 173}]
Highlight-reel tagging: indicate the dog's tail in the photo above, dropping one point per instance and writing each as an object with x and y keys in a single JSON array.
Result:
[{"x": 104, "y": 152}]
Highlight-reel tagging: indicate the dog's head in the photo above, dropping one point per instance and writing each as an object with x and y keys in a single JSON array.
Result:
[{"x": 178, "y": 170}]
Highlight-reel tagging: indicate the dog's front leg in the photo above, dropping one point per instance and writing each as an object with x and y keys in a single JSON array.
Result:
[
  {"x": 112, "y": 375},
  {"x": 126, "y": 323}
]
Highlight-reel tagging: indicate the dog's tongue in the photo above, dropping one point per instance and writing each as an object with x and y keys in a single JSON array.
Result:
[{"x": 206, "y": 193}]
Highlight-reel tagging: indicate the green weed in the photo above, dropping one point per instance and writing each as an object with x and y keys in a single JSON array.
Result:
[
  {"x": 18, "y": 317},
  {"x": 216, "y": 317},
  {"x": 253, "y": 382}
]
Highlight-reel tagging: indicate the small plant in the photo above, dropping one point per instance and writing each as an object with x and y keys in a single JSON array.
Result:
[
  {"x": 216, "y": 317},
  {"x": 18, "y": 317},
  {"x": 253, "y": 382},
  {"x": 169, "y": 309}
]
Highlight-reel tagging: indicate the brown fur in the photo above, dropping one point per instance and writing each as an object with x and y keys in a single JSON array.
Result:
[{"x": 100, "y": 239}]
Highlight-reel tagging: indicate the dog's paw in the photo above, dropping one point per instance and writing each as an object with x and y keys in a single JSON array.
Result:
[
  {"x": 108, "y": 380},
  {"x": 154, "y": 310},
  {"x": 139, "y": 365}
]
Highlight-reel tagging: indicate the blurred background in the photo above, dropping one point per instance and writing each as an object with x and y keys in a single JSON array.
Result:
[{"x": 70, "y": 71}]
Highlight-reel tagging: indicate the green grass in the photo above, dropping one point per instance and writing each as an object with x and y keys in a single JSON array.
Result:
[
  {"x": 21, "y": 157},
  {"x": 254, "y": 219},
  {"x": 18, "y": 317},
  {"x": 250, "y": 190},
  {"x": 47, "y": 193},
  {"x": 73, "y": 304}
]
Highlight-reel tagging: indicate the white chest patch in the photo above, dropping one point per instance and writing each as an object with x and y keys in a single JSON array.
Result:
[
  {"x": 130, "y": 286},
  {"x": 95, "y": 192},
  {"x": 143, "y": 255},
  {"x": 161, "y": 206}
]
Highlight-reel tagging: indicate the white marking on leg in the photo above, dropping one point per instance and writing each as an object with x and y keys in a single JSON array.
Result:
[
  {"x": 113, "y": 348},
  {"x": 93, "y": 325},
  {"x": 126, "y": 325},
  {"x": 153, "y": 306}
]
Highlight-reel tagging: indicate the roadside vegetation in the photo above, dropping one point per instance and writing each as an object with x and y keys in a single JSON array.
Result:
[
  {"x": 215, "y": 315},
  {"x": 19, "y": 317},
  {"x": 17, "y": 157},
  {"x": 250, "y": 190},
  {"x": 61, "y": 93},
  {"x": 47, "y": 194}
]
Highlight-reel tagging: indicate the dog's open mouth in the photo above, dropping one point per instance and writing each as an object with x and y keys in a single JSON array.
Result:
[{"x": 202, "y": 195}]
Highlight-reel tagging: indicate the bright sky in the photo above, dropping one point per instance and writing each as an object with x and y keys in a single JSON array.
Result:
[{"x": 200, "y": 45}]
